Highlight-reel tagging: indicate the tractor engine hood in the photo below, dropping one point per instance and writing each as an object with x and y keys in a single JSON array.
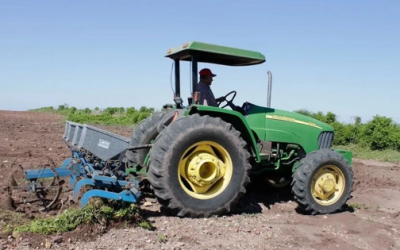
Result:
[{"x": 294, "y": 117}]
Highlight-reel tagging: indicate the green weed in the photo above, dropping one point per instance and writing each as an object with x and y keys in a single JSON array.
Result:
[
  {"x": 96, "y": 212},
  {"x": 359, "y": 206},
  {"x": 162, "y": 238},
  {"x": 9, "y": 220}
]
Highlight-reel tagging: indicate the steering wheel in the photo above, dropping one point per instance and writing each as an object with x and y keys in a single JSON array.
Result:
[{"x": 230, "y": 101}]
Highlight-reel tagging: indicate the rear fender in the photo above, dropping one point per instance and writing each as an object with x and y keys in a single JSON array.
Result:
[
  {"x": 170, "y": 116},
  {"x": 236, "y": 119}
]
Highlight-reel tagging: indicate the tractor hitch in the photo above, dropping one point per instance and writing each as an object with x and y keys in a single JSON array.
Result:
[{"x": 140, "y": 147}]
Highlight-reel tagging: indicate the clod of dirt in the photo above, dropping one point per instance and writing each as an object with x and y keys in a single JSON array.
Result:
[
  {"x": 57, "y": 239},
  {"x": 16, "y": 235}
]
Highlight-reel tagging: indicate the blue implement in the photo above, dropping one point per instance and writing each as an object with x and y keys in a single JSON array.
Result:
[
  {"x": 47, "y": 172},
  {"x": 125, "y": 195},
  {"x": 104, "y": 181},
  {"x": 79, "y": 185},
  {"x": 97, "y": 161},
  {"x": 66, "y": 163}
]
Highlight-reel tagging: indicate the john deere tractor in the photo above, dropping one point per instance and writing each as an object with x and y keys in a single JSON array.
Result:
[{"x": 199, "y": 159}]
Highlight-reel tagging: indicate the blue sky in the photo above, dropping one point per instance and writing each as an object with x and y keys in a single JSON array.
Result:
[{"x": 324, "y": 55}]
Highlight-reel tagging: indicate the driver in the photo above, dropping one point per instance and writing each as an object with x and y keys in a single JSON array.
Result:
[{"x": 206, "y": 94}]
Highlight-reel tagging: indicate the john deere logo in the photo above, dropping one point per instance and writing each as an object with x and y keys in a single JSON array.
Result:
[{"x": 289, "y": 119}]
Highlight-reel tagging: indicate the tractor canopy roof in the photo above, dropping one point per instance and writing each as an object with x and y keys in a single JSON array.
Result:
[{"x": 217, "y": 54}]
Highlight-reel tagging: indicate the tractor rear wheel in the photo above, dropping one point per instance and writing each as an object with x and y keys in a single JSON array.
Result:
[
  {"x": 323, "y": 182},
  {"x": 144, "y": 133},
  {"x": 199, "y": 167}
]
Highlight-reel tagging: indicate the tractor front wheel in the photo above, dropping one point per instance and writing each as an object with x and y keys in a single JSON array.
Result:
[
  {"x": 199, "y": 167},
  {"x": 323, "y": 182}
]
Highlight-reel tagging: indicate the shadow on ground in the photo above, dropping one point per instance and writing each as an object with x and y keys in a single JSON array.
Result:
[
  {"x": 260, "y": 193},
  {"x": 259, "y": 196}
]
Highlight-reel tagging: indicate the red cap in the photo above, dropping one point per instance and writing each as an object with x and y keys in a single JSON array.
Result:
[{"x": 206, "y": 72}]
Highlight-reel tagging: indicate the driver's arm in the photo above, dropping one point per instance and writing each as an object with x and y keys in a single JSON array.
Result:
[{"x": 206, "y": 98}]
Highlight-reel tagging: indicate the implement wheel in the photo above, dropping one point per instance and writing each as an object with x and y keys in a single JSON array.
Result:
[
  {"x": 199, "y": 167},
  {"x": 31, "y": 196},
  {"x": 323, "y": 182}
]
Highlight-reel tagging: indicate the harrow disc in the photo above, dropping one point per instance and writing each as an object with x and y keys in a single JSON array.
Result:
[{"x": 32, "y": 195}]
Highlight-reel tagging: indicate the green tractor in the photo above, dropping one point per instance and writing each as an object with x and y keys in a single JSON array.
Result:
[{"x": 199, "y": 159}]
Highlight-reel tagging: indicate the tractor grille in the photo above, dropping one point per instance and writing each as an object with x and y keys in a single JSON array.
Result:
[{"x": 325, "y": 140}]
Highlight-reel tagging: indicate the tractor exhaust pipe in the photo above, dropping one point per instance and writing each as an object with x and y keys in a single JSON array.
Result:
[{"x": 269, "y": 89}]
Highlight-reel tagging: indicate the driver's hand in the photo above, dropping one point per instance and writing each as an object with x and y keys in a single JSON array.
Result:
[{"x": 220, "y": 99}]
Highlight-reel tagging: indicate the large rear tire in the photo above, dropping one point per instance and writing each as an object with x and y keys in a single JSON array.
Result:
[
  {"x": 199, "y": 167},
  {"x": 323, "y": 182},
  {"x": 144, "y": 133}
]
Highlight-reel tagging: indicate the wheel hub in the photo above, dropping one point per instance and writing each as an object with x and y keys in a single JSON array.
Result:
[
  {"x": 328, "y": 185},
  {"x": 205, "y": 169}
]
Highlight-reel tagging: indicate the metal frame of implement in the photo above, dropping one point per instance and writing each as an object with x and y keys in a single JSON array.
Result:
[{"x": 95, "y": 161}]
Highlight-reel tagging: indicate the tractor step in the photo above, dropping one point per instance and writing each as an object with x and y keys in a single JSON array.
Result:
[{"x": 264, "y": 156}]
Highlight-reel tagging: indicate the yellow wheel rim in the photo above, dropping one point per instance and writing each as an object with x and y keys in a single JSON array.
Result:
[
  {"x": 328, "y": 185},
  {"x": 205, "y": 170}
]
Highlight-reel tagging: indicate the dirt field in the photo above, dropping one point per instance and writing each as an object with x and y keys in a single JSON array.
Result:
[{"x": 262, "y": 220}]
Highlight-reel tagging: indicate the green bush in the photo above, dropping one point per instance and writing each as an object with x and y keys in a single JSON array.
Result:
[
  {"x": 108, "y": 116},
  {"x": 380, "y": 133}
]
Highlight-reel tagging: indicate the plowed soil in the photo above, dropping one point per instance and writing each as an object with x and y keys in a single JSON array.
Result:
[{"x": 264, "y": 219}]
